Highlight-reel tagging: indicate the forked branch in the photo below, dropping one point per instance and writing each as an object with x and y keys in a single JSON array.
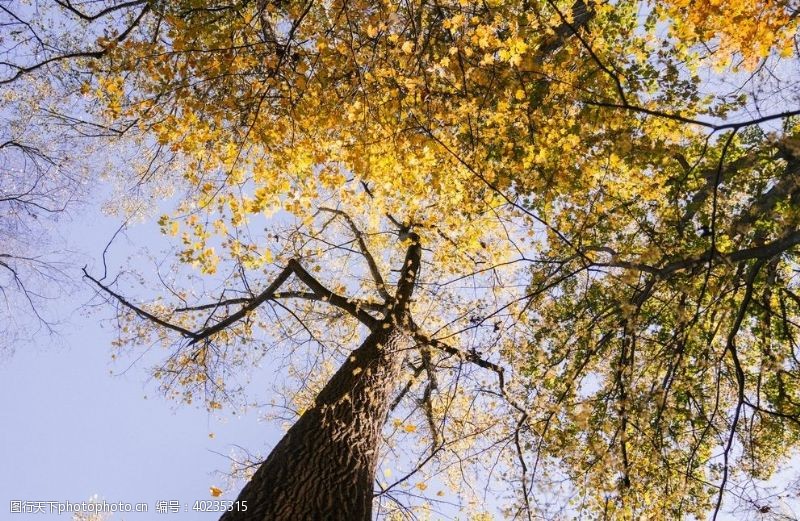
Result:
[
  {"x": 320, "y": 292},
  {"x": 362, "y": 245}
]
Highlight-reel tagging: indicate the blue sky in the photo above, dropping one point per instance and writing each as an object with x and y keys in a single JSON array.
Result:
[{"x": 75, "y": 423}]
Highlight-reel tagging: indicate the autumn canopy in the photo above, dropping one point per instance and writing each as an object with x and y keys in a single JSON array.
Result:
[{"x": 596, "y": 205}]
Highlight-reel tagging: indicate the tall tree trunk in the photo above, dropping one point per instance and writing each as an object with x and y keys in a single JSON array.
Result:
[{"x": 324, "y": 467}]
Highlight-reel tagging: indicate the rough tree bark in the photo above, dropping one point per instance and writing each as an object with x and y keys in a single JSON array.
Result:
[{"x": 324, "y": 467}]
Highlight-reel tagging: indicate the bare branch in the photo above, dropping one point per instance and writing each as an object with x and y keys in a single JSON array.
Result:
[
  {"x": 98, "y": 53},
  {"x": 138, "y": 310},
  {"x": 362, "y": 245},
  {"x": 92, "y": 17}
]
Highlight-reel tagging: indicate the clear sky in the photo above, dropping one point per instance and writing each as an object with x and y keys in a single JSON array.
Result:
[{"x": 70, "y": 429}]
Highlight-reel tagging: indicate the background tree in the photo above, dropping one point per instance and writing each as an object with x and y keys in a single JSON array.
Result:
[
  {"x": 39, "y": 184},
  {"x": 589, "y": 223},
  {"x": 48, "y": 160}
]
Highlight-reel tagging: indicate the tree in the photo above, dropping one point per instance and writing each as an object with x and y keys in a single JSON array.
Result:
[
  {"x": 39, "y": 183},
  {"x": 27, "y": 192},
  {"x": 589, "y": 223}
]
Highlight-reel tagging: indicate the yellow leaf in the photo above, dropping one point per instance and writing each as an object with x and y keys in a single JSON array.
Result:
[{"x": 216, "y": 492}]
